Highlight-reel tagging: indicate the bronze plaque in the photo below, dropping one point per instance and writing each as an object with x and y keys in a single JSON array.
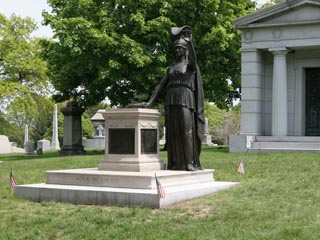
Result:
[
  {"x": 121, "y": 140},
  {"x": 149, "y": 141}
]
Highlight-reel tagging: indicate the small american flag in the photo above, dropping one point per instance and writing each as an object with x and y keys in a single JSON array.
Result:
[
  {"x": 160, "y": 189},
  {"x": 241, "y": 167},
  {"x": 12, "y": 181}
]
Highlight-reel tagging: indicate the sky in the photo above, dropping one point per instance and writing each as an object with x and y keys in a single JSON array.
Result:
[
  {"x": 27, "y": 8},
  {"x": 33, "y": 9}
]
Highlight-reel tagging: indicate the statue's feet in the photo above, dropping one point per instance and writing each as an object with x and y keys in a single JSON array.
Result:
[{"x": 191, "y": 168}]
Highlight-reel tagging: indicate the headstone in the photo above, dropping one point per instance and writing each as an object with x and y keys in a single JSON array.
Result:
[
  {"x": 55, "y": 140},
  {"x": 44, "y": 145},
  {"x": 72, "y": 130},
  {"x": 9, "y": 147},
  {"x": 15, "y": 148},
  {"x": 39, "y": 151},
  {"x": 5, "y": 146},
  {"x": 207, "y": 139},
  {"x": 29, "y": 148}
]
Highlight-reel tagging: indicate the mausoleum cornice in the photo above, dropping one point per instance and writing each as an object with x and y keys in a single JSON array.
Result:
[{"x": 276, "y": 15}]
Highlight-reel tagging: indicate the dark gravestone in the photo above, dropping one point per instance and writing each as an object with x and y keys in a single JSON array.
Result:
[
  {"x": 121, "y": 140},
  {"x": 29, "y": 148},
  {"x": 72, "y": 130}
]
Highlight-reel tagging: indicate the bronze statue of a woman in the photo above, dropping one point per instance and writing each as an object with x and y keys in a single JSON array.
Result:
[{"x": 182, "y": 92}]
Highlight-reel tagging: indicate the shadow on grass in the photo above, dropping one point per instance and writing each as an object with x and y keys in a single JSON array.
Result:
[
  {"x": 221, "y": 149},
  {"x": 48, "y": 154},
  {"x": 55, "y": 154}
]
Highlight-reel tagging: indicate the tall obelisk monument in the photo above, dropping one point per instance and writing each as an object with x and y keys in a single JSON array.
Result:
[{"x": 55, "y": 141}]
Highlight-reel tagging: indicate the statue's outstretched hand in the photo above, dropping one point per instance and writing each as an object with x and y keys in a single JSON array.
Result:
[{"x": 138, "y": 105}]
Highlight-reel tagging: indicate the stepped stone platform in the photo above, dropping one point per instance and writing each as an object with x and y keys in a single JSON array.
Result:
[
  {"x": 127, "y": 174},
  {"x": 285, "y": 144},
  {"x": 96, "y": 187}
]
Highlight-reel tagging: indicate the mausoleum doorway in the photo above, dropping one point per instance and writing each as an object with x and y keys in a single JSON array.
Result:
[{"x": 312, "y": 102}]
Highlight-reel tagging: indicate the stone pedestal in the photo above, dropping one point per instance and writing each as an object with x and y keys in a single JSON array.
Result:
[
  {"x": 132, "y": 140},
  {"x": 72, "y": 130}
]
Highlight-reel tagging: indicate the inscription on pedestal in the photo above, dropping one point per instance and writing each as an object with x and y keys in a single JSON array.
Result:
[
  {"x": 121, "y": 140},
  {"x": 97, "y": 180},
  {"x": 148, "y": 141}
]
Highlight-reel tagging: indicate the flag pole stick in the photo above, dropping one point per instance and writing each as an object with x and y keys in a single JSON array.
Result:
[
  {"x": 241, "y": 169},
  {"x": 10, "y": 180}
]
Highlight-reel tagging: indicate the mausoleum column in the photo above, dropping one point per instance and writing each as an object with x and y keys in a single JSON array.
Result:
[
  {"x": 279, "y": 93},
  {"x": 252, "y": 62}
]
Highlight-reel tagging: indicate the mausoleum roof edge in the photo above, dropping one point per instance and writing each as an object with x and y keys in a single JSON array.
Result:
[{"x": 248, "y": 20}]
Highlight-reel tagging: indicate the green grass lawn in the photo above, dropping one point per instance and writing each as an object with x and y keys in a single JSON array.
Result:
[{"x": 279, "y": 198}]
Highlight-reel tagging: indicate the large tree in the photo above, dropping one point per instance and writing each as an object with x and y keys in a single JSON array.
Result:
[
  {"x": 23, "y": 80},
  {"x": 120, "y": 49},
  {"x": 21, "y": 68}
]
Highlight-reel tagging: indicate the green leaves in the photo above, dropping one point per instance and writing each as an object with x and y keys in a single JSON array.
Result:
[
  {"x": 19, "y": 53},
  {"x": 120, "y": 49},
  {"x": 23, "y": 79}
]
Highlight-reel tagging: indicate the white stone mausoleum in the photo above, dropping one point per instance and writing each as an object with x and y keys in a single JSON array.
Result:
[{"x": 280, "y": 83}]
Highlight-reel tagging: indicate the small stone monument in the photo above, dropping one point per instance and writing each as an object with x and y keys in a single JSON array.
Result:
[
  {"x": 9, "y": 147},
  {"x": 207, "y": 139},
  {"x": 72, "y": 130},
  {"x": 29, "y": 148},
  {"x": 44, "y": 145}
]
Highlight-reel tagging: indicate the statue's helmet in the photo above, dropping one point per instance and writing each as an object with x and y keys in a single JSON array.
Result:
[
  {"x": 181, "y": 32},
  {"x": 177, "y": 31},
  {"x": 180, "y": 42}
]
